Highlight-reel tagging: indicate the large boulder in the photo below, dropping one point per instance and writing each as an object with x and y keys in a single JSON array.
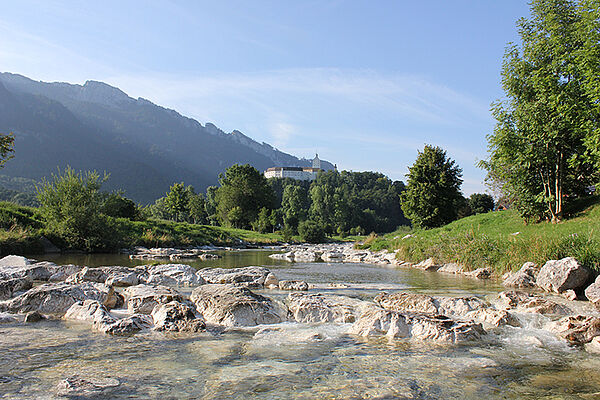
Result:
[
  {"x": 561, "y": 275},
  {"x": 246, "y": 276},
  {"x": 60, "y": 273},
  {"x": 176, "y": 317},
  {"x": 231, "y": 305},
  {"x": 318, "y": 307},
  {"x": 523, "y": 278},
  {"x": 451, "y": 268},
  {"x": 143, "y": 298},
  {"x": 422, "y": 327},
  {"x": 9, "y": 286},
  {"x": 530, "y": 303},
  {"x": 87, "y": 274},
  {"x": 126, "y": 326},
  {"x": 592, "y": 292},
  {"x": 579, "y": 329},
  {"x": 56, "y": 298},
  {"x": 171, "y": 275},
  {"x": 466, "y": 307}
]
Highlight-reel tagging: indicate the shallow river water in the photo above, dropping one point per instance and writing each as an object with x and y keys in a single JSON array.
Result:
[{"x": 298, "y": 360}]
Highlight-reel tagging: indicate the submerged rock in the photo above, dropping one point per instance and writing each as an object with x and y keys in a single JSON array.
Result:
[
  {"x": 560, "y": 275},
  {"x": 143, "y": 298},
  {"x": 10, "y": 286},
  {"x": 176, "y": 317},
  {"x": 56, "y": 298},
  {"x": 86, "y": 387},
  {"x": 527, "y": 302},
  {"x": 423, "y": 327},
  {"x": 229, "y": 305},
  {"x": 524, "y": 277},
  {"x": 318, "y": 307},
  {"x": 247, "y": 276},
  {"x": 579, "y": 329}
]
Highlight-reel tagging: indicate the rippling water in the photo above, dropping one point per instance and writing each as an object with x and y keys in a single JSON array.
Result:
[{"x": 298, "y": 360}]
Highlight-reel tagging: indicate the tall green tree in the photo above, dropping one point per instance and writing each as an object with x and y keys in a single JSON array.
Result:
[
  {"x": 538, "y": 153},
  {"x": 432, "y": 194},
  {"x": 243, "y": 192},
  {"x": 176, "y": 201},
  {"x": 294, "y": 206}
]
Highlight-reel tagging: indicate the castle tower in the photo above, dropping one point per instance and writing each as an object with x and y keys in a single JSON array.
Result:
[{"x": 316, "y": 163}]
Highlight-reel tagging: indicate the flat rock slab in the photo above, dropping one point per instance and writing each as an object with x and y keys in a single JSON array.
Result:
[
  {"x": 422, "y": 327},
  {"x": 530, "y": 303},
  {"x": 143, "y": 298},
  {"x": 171, "y": 275},
  {"x": 318, "y": 307},
  {"x": 56, "y": 298},
  {"x": 247, "y": 276},
  {"x": 466, "y": 307},
  {"x": 231, "y": 306},
  {"x": 561, "y": 275}
]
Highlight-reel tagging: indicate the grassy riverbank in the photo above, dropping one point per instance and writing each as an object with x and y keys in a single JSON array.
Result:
[
  {"x": 501, "y": 241},
  {"x": 22, "y": 230}
]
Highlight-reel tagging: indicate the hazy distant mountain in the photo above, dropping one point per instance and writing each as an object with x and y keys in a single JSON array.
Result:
[{"x": 143, "y": 146}]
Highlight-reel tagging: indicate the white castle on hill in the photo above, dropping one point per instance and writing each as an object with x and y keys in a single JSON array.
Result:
[{"x": 299, "y": 173}]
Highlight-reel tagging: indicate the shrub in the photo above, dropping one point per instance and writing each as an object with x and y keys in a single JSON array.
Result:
[{"x": 311, "y": 232}]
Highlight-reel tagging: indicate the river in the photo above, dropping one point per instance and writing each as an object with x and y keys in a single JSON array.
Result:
[{"x": 300, "y": 361}]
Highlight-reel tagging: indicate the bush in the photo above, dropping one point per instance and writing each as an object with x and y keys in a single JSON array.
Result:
[
  {"x": 311, "y": 232},
  {"x": 71, "y": 204}
]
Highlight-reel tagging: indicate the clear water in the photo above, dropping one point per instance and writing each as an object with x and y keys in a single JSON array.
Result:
[{"x": 297, "y": 360}]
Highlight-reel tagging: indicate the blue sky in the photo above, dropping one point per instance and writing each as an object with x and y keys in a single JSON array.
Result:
[{"x": 364, "y": 83}]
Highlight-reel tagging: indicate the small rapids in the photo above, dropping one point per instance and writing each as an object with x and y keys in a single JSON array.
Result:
[{"x": 302, "y": 361}]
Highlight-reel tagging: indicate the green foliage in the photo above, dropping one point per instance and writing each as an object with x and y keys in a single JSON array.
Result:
[
  {"x": 311, "y": 232},
  {"x": 176, "y": 201},
  {"x": 480, "y": 203},
  {"x": 7, "y": 143},
  {"x": 243, "y": 193},
  {"x": 432, "y": 197},
  {"x": 196, "y": 208},
  {"x": 294, "y": 206},
  {"x": 349, "y": 200},
  {"x": 71, "y": 204},
  {"x": 499, "y": 240},
  {"x": 116, "y": 205},
  {"x": 545, "y": 139}
]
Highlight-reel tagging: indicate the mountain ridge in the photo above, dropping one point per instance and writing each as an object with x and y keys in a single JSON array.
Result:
[{"x": 145, "y": 147}]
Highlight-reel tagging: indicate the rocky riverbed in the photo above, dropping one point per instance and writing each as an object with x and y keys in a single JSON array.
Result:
[{"x": 210, "y": 309}]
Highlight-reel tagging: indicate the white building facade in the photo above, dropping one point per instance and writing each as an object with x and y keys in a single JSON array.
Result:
[{"x": 298, "y": 173}]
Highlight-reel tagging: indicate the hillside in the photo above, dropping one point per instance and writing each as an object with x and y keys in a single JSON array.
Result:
[
  {"x": 500, "y": 240},
  {"x": 143, "y": 146}
]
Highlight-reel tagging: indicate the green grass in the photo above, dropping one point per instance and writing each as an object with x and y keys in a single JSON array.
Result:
[{"x": 491, "y": 240}]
